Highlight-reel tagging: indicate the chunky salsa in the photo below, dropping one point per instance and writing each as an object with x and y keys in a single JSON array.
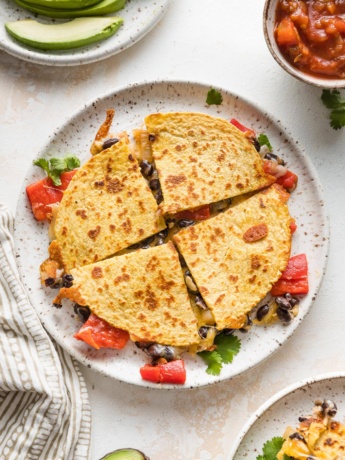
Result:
[{"x": 311, "y": 35}]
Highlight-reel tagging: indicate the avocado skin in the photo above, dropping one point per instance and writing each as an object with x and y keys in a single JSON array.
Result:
[
  {"x": 95, "y": 29},
  {"x": 100, "y": 9},
  {"x": 125, "y": 454},
  {"x": 65, "y": 4}
]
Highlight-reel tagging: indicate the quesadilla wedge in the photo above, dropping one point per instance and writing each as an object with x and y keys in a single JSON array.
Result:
[
  {"x": 236, "y": 257},
  {"x": 142, "y": 292},
  {"x": 108, "y": 206},
  {"x": 202, "y": 159}
]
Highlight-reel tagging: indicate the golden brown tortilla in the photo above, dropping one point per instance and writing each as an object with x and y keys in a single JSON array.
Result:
[
  {"x": 202, "y": 159},
  {"x": 142, "y": 292},
  {"x": 108, "y": 206},
  {"x": 237, "y": 256}
]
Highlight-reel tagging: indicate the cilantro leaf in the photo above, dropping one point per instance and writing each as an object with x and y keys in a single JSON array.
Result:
[
  {"x": 227, "y": 347},
  {"x": 213, "y": 361},
  {"x": 333, "y": 100},
  {"x": 214, "y": 97},
  {"x": 54, "y": 167},
  {"x": 263, "y": 140},
  {"x": 271, "y": 449}
]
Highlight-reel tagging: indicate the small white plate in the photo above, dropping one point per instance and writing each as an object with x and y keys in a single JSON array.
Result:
[
  {"x": 283, "y": 410},
  {"x": 131, "y": 105},
  {"x": 139, "y": 16}
]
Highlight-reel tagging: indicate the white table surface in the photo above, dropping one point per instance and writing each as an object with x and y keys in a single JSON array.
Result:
[{"x": 220, "y": 42}]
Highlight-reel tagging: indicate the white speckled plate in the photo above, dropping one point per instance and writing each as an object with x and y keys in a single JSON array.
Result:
[
  {"x": 283, "y": 410},
  {"x": 139, "y": 16},
  {"x": 132, "y": 103}
]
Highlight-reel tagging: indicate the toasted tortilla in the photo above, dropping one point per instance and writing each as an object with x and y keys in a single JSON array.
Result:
[
  {"x": 202, "y": 159},
  {"x": 142, "y": 292},
  {"x": 107, "y": 207},
  {"x": 237, "y": 256}
]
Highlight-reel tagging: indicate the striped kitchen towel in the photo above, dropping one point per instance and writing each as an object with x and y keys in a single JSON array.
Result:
[{"x": 44, "y": 407}]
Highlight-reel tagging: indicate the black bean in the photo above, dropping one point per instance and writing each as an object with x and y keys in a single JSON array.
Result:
[
  {"x": 143, "y": 345},
  {"x": 256, "y": 144},
  {"x": 57, "y": 305},
  {"x": 262, "y": 312},
  {"x": 159, "y": 242},
  {"x": 146, "y": 168},
  {"x": 284, "y": 315},
  {"x": 302, "y": 419},
  {"x": 283, "y": 303},
  {"x": 134, "y": 246},
  {"x": 83, "y": 312},
  {"x": 292, "y": 300},
  {"x": 182, "y": 261},
  {"x": 145, "y": 246},
  {"x": 228, "y": 331},
  {"x": 329, "y": 408},
  {"x": 203, "y": 332},
  {"x": 148, "y": 240},
  {"x": 67, "y": 281},
  {"x": 297, "y": 436},
  {"x": 157, "y": 351},
  {"x": 49, "y": 281},
  {"x": 163, "y": 233},
  {"x": 154, "y": 184},
  {"x": 152, "y": 137},
  {"x": 159, "y": 196},
  {"x": 200, "y": 303},
  {"x": 185, "y": 223},
  {"x": 109, "y": 142}
]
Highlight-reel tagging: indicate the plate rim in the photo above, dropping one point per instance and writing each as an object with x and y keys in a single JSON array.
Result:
[
  {"x": 274, "y": 399},
  {"x": 97, "y": 54},
  {"x": 266, "y": 114}
]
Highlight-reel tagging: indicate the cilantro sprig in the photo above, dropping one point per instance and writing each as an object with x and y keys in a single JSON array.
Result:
[
  {"x": 263, "y": 140},
  {"x": 227, "y": 347},
  {"x": 333, "y": 100},
  {"x": 54, "y": 167},
  {"x": 271, "y": 449},
  {"x": 214, "y": 97}
]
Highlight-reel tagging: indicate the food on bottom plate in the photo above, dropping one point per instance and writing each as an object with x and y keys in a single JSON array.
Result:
[
  {"x": 73, "y": 34},
  {"x": 310, "y": 34},
  {"x": 172, "y": 282},
  {"x": 318, "y": 436}
]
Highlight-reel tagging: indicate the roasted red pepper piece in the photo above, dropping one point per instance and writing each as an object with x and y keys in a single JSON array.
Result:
[
  {"x": 244, "y": 129},
  {"x": 44, "y": 193},
  {"x": 202, "y": 213},
  {"x": 294, "y": 278},
  {"x": 173, "y": 372},
  {"x": 99, "y": 334},
  {"x": 288, "y": 181}
]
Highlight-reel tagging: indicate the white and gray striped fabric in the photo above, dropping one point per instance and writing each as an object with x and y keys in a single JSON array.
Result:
[{"x": 44, "y": 407}]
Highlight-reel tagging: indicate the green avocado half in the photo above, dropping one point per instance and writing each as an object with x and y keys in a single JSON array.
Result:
[
  {"x": 72, "y": 34},
  {"x": 100, "y": 9},
  {"x": 65, "y": 4},
  {"x": 125, "y": 454}
]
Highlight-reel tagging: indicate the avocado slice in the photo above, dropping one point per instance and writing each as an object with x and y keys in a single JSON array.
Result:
[
  {"x": 125, "y": 454},
  {"x": 72, "y": 34},
  {"x": 100, "y": 9},
  {"x": 65, "y": 4}
]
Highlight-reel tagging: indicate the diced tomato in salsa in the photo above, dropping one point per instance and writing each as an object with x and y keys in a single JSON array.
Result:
[
  {"x": 204, "y": 212},
  {"x": 44, "y": 193},
  {"x": 286, "y": 33},
  {"x": 294, "y": 278},
  {"x": 293, "y": 226},
  {"x": 99, "y": 334},
  {"x": 244, "y": 129},
  {"x": 173, "y": 372},
  {"x": 288, "y": 181}
]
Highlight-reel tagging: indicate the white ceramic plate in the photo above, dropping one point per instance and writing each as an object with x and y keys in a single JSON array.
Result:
[
  {"x": 140, "y": 16},
  {"x": 131, "y": 105},
  {"x": 283, "y": 410}
]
